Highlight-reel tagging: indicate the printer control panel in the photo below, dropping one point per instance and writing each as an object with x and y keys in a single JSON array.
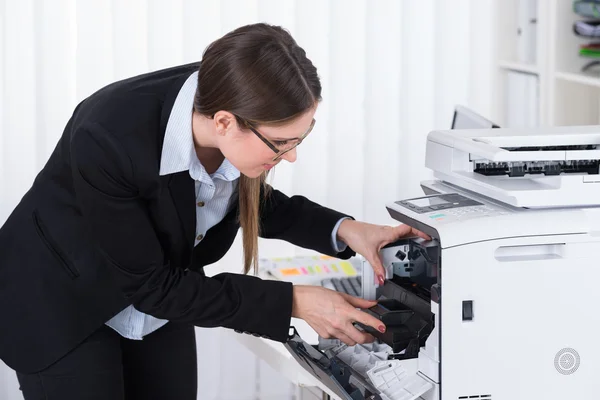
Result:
[
  {"x": 450, "y": 207},
  {"x": 422, "y": 205}
]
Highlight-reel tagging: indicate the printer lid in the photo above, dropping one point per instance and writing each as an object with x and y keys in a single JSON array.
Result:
[{"x": 528, "y": 167}]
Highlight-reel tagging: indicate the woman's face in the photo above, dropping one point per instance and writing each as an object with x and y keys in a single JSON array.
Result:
[{"x": 249, "y": 153}]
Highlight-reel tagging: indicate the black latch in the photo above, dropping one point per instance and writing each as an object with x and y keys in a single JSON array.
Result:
[{"x": 467, "y": 310}]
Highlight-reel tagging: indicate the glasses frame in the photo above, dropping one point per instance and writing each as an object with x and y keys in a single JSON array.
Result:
[{"x": 280, "y": 153}]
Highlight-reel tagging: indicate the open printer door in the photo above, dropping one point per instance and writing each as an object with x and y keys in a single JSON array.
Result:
[
  {"x": 335, "y": 374},
  {"x": 393, "y": 380}
]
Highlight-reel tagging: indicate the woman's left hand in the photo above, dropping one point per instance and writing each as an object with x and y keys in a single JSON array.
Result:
[{"x": 367, "y": 239}]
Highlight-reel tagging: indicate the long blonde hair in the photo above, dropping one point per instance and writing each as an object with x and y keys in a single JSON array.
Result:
[{"x": 259, "y": 74}]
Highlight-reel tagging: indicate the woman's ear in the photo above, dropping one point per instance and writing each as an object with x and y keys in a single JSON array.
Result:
[{"x": 224, "y": 122}]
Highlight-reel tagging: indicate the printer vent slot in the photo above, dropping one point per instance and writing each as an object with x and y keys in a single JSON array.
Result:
[
  {"x": 476, "y": 396},
  {"x": 574, "y": 147},
  {"x": 521, "y": 168}
]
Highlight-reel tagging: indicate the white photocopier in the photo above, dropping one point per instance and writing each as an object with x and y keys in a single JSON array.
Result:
[{"x": 502, "y": 303}]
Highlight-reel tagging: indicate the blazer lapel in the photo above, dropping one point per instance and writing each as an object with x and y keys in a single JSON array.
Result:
[{"x": 181, "y": 187}]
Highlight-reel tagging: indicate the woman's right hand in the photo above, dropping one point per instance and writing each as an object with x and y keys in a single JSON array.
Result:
[{"x": 332, "y": 313}]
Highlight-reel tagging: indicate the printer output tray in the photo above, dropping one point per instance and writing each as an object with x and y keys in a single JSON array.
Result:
[{"x": 334, "y": 373}]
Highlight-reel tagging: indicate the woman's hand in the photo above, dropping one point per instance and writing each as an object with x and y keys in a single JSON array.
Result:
[
  {"x": 332, "y": 314},
  {"x": 368, "y": 239}
]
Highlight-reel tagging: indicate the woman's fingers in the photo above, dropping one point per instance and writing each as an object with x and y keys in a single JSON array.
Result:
[
  {"x": 346, "y": 339},
  {"x": 353, "y": 315},
  {"x": 358, "y": 302},
  {"x": 332, "y": 314},
  {"x": 350, "y": 335},
  {"x": 361, "y": 316},
  {"x": 367, "y": 319},
  {"x": 357, "y": 335}
]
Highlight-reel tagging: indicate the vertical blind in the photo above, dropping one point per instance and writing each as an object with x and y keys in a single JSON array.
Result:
[{"x": 391, "y": 70}]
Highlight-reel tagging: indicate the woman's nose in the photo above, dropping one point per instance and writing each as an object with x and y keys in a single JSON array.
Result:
[{"x": 290, "y": 156}]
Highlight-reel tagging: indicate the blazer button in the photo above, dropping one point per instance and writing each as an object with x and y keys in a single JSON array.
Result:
[
  {"x": 247, "y": 333},
  {"x": 200, "y": 204},
  {"x": 200, "y": 237},
  {"x": 256, "y": 334},
  {"x": 237, "y": 331}
]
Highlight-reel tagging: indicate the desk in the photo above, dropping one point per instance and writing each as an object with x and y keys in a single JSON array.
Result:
[{"x": 277, "y": 356}]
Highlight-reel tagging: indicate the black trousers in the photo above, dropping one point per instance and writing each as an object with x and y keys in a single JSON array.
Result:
[{"x": 109, "y": 367}]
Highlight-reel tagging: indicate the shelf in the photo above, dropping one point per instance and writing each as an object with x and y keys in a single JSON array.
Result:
[
  {"x": 519, "y": 67},
  {"x": 566, "y": 96},
  {"x": 590, "y": 79}
]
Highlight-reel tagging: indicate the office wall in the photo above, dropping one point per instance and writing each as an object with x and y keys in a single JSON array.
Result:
[{"x": 391, "y": 72}]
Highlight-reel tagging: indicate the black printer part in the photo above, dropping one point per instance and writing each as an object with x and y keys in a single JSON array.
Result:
[
  {"x": 407, "y": 337},
  {"x": 407, "y": 317},
  {"x": 404, "y": 343},
  {"x": 413, "y": 295},
  {"x": 400, "y": 255},
  {"x": 414, "y": 253},
  {"x": 436, "y": 293},
  {"x": 428, "y": 250},
  {"x": 549, "y": 168},
  {"x": 391, "y": 312},
  {"x": 467, "y": 310},
  {"x": 425, "y": 254}
]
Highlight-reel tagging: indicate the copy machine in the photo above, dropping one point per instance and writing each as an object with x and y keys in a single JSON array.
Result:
[{"x": 502, "y": 302}]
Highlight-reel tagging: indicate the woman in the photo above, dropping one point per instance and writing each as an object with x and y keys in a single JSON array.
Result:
[{"x": 101, "y": 280}]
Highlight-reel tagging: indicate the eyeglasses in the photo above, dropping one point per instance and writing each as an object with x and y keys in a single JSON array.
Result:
[{"x": 280, "y": 147}]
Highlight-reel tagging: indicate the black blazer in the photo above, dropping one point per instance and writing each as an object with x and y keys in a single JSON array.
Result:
[{"x": 100, "y": 230}]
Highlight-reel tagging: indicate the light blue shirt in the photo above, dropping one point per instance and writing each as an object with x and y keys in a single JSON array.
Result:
[{"x": 214, "y": 192}]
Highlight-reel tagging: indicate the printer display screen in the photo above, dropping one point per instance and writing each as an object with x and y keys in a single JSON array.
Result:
[
  {"x": 438, "y": 202},
  {"x": 428, "y": 201}
]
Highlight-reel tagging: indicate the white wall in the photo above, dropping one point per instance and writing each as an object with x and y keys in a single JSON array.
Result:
[{"x": 391, "y": 71}]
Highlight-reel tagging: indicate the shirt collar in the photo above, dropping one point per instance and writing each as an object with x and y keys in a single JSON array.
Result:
[
  {"x": 225, "y": 172},
  {"x": 178, "y": 153}
]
